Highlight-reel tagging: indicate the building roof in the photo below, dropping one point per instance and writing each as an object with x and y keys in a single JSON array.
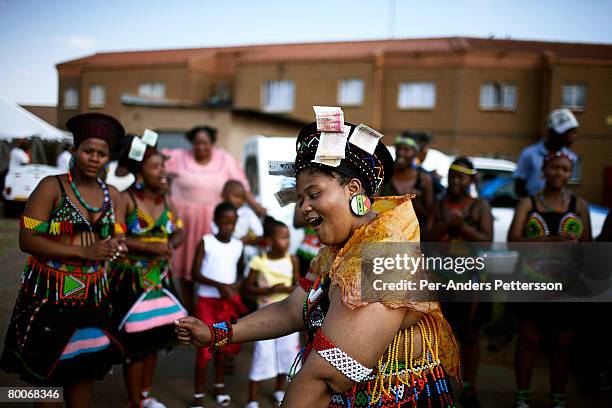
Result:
[{"x": 343, "y": 50}]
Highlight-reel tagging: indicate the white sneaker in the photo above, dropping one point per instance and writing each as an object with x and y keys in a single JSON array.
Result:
[
  {"x": 252, "y": 404},
  {"x": 152, "y": 403},
  {"x": 279, "y": 396}
]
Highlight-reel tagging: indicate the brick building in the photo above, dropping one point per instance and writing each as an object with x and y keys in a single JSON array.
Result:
[{"x": 477, "y": 96}]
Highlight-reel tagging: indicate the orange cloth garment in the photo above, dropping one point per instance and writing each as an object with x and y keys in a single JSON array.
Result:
[{"x": 396, "y": 222}]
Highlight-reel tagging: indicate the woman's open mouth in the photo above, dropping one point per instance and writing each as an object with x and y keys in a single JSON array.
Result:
[{"x": 315, "y": 221}]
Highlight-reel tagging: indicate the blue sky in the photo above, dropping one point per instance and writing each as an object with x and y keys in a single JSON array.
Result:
[{"x": 37, "y": 34}]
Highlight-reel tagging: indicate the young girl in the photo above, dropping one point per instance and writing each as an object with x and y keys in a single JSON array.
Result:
[
  {"x": 144, "y": 300},
  {"x": 460, "y": 217},
  {"x": 216, "y": 265},
  {"x": 552, "y": 215},
  {"x": 272, "y": 278},
  {"x": 59, "y": 333}
]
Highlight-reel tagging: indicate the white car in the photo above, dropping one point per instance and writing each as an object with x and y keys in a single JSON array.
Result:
[{"x": 19, "y": 184}]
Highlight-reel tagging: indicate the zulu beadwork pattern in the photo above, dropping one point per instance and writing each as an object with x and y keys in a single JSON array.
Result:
[
  {"x": 536, "y": 226},
  {"x": 144, "y": 273},
  {"x": 220, "y": 334},
  {"x": 33, "y": 224},
  {"x": 404, "y": 380},
  {"x": 344, "y": 363},
  {"x": 120, "y": 228},
  {"x": 571, "y": 226},
  {"x": 369, "y": 165},
  {"x": 65, "y": 283}
]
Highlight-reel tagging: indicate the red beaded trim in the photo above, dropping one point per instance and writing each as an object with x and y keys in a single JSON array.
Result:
[
  {"x": 305, "y": 284},
  {"x": 321, "y": 342}
]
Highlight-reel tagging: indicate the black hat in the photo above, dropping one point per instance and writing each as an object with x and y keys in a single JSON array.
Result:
[
  {"x": 97, "y": 125},
  {"x": 374, "y": 170}
]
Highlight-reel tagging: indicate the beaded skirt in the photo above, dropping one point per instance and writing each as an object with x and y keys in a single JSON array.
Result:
[
  {"x": 60, "y": 328},
  {"x": 145, "y": 305}
]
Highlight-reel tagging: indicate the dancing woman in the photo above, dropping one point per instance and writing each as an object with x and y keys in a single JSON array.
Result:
[
  {"x": 144, "y": 300},
  {"x": 359, "y": 353},
  {"x": 59, "y": 333}
]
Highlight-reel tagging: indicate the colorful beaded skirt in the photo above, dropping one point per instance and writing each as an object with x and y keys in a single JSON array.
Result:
[
  {"x": 145, "y": 305},
  {"x": 60, "y": 331}
]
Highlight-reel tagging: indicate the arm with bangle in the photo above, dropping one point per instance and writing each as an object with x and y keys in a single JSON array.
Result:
[{"x": 272, "y": 321}]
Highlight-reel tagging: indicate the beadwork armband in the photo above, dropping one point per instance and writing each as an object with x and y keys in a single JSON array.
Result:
[
  {"x": 120, "y": 228},
  {"x": 341, "y": 361},
  {"x": 221, "y": 334},
  {"x": 33, "y": 224}
]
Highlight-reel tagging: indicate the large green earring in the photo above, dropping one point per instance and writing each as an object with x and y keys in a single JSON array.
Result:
[{"x": 360, "y": 204}]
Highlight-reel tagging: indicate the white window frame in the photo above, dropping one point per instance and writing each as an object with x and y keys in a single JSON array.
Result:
[
  {"x": 152, "y": 89},
  {"x": 278, "y": 96},
  {"x": 71, "y": 97},
  {"x": 351, "y": 92},
  {"x": 413, "y": 95},
  {"x": 571, "y": 89},
  {"x": 503, "y": 96},
  {"x": 97, "y": 96}
]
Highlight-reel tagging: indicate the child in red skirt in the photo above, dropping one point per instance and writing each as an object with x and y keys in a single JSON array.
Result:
[{"x": 216, "y": 266}]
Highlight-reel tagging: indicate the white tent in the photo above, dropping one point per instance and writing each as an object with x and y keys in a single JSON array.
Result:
[{"x": 17, "y": 123}]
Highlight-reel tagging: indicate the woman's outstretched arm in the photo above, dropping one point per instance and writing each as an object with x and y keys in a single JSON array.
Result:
[
  {"x": 275, "y": 320},
  {"x": 363, "y": 334}
]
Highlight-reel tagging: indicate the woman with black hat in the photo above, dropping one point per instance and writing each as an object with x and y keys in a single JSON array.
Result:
[
  {"x": 144, "y": 300},
  {"x": 59, "y": 331},
  {"x": 383, "y": 353}
]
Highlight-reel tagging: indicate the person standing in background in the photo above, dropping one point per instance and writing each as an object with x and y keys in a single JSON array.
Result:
[
  {"x": 562, "y": 127},
  {"x": 410, "y": 178},
  {"x": 552, "y": 215},
  {"x": 63, "y": 160},
  {"x": 272, "y": 278},
  {"x": 20, "y": 154},
  {"x": 198, "y": 176}
]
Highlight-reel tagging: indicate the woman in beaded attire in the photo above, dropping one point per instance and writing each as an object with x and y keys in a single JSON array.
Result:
[
  {"x": 59, "y": 333},
  {"x": 384, "y": 353},
  {"x": 553, "y": 215},
  {"x": 144, "y": 300}
]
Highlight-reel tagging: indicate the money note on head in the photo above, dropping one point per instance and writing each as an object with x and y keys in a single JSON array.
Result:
[
  {"x": 286, "y": 196},
  {"x": 150, "y": 137},
  {"x": 281, "y": 168},
  {"x": 365, "y": 138},
  {"x": 329, "y": 118},
  {"x": 137, "y": 149}
]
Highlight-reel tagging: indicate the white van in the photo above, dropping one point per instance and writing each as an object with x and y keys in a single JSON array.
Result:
[{"x": 258, "y": 151}]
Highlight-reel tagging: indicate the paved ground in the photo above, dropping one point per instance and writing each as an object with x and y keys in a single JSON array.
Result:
[{"x": 174, "y": 382}]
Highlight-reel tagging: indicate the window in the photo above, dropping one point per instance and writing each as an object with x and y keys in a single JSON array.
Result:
[
  {"x": 574, "y": 96},
  {"x": 350, "y": 92},
  {"x": 97, "y": 96},
  {"x": 416, "y": 95},
  {"x": 498, "y": 96},
  {"x": 152, "y": 90},
  {"x": 71, "y": 98},
  {"x": 278, "y": 96}
]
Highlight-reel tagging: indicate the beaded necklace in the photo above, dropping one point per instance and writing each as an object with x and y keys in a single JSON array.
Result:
[
  {"x": 83, "y": 202},
  {"x": 564, "y": 200}
]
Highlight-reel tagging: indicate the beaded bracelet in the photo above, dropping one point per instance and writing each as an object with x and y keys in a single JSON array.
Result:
[{"x": 221, "y": 334}]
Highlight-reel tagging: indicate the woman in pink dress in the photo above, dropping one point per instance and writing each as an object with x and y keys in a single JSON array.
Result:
[{"x": 198, "y": 176}]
